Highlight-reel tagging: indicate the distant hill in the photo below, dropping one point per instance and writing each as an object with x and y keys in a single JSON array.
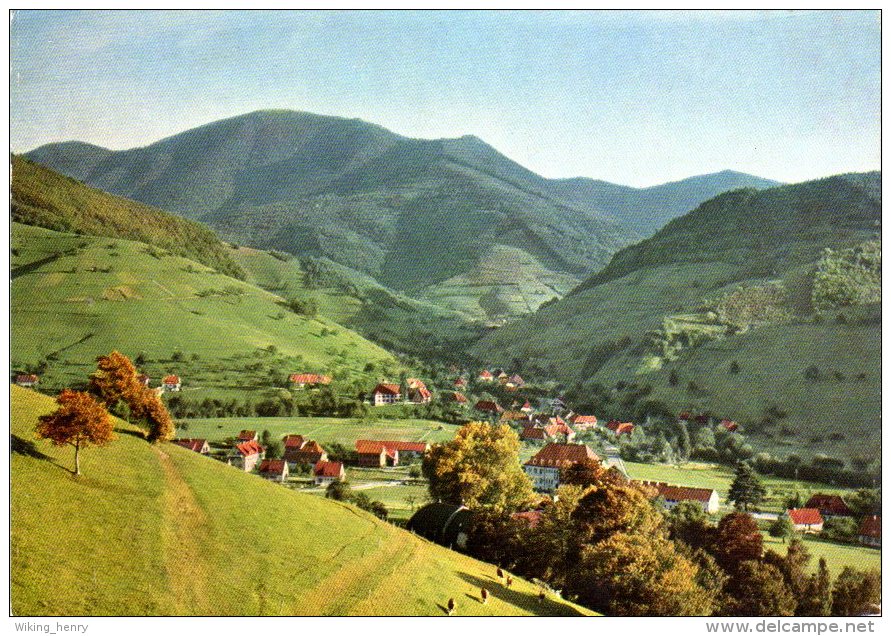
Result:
[
  {"x": 155, "y": 531},
  {"x": 422, "y": 217},
  {"x": 735, "y": 280},
  {"x": 74, "y": 297},
  {"x": 48, "y": 199},
  {"x": 646, "y": 210}
]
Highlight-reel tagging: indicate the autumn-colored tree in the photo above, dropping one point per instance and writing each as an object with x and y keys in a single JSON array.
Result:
[
  {"x": 688, "y": 522},
  {"x": 758, "y": 589},
  {"x": 80, "y": 421},
  {"x": 737, "y": 539},
  {"x": 610, "y": 509},
  {"x": 114, "y": 382},
  {"x": 161, "y": 427},
  {"x": 499, "y": 538},
  {"x": 793, "y": 566},
  {"x": 589, "y": 472},
  {"x": 856, "y": 592},
  {"x": 636, "y": 575},
  {"x": 480, "y": 467},
  {"x": 816, "y": 599}
]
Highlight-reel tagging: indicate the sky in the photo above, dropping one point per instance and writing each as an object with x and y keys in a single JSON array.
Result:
[{"x": 636, "y": 98}]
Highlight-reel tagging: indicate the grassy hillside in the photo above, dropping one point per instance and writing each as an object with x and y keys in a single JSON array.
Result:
[
  {"x": 75, "y": 297},
  {"x": 48, "y": 199},
  {"x": 163, "y": 531},
  {"x": 356, "y": 300},
  {"x": 744, "y": 279}
]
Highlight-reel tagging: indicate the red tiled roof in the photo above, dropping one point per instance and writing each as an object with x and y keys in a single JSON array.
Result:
[
  {"x": 805, "y": 516},
  {"x": 192, "y": 444},
  {"x": 171, "y": 379},
  {"x": 620, "y": 427},
  {"x": 26, "y": 377},
  {"x": 730, "y": 425},
  {"x": 871, "y": 526},
  {"x": 562, "y": 455},
  {"x": 392, "y": 389},
  {"x": 584, "y": 420},
  {"x": 454, "y": 396},
  {"x": 526, "y": 406},
  {"x": 313, "y": 447},
  {"x": 273, "y": 466},
  {"x": 828, "y": 504},
  {"x": 485, "y": 374},
  {"x": 249, "y": 448},
  {"x": 365, "y": 446},
  {"x": 246, "y": 435},
  {"x": 293, "y": 441},
  {"x": 533, "y": 432},
  {"x": 486, "y": 405},
  {"x": 328, "y": 469},
  {"x": 414, "y": 383},
  {"x": 679, "y": 493},
  {"x": 309, "y": 378},
  {"x": 368, "y": 447},
  {"x": 423, "y": 392}
]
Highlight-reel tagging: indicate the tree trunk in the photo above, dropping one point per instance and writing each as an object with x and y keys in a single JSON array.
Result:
[{"x": 77, "y": 457}]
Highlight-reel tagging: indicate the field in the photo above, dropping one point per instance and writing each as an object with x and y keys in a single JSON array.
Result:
[
  {"x": 323, "y": 429},
  {"x": 837, "y": 555},
  {"x": 75, "y": 297},
  {"x": 140, "y": 513}
]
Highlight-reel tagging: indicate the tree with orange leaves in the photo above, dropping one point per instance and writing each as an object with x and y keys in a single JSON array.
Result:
[
  {"x": 80, "y": 421},
  {"x": 161, "y": 427}
]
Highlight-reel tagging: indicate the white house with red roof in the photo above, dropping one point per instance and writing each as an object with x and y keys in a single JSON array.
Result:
[
  {"x": 198, "y": 445},
  {"x": 485, "y": 376},
  {"x": 545, "y": 466},
  {"x": 326, "y": 472},
  {"x": 527, "y": 408},
  {"x": 455, "y": 396},
  {"x": 246, "y": 435},
  {"x": 171, "y": 383},
  {"x": 417, "y": 391},
  {"x": 303, "y": 380},
  {"x": 672, "y": 495},
  {"x": 583, "y": 422},
  {"x": 806, "y": 519},
  {"x": 26, "y": 379},
  {"x": 274, "y": 470},
  {"x": 386, "y": 393},
  {"x": 870, "y": 532},
  {"x": 246, "y": 455},
  {"x": 383, "y": 452}
]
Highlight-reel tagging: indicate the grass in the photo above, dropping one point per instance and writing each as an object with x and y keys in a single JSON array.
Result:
[
  {"x": 75, "y": 297},
  {"x": 324, "y": 430},
  {"x": 837, "y": 555},
  {"x": 115, "y": 541}
]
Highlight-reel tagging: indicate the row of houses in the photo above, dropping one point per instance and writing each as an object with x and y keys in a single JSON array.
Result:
[
  {"x": 381, "y": 453},
  {"x": 387, "y": 393}
]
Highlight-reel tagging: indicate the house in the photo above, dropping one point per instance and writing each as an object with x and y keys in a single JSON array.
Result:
[
  {"x": 488, "y": 407},
  {"x": 829, "y": 506},
  {"x": 485, "y": 376},
  {"x": 460, "y": 383},
  {"x": 246, "y": 455},
  {"x": 408, "y": 450},
  {"x": 870, "y": 532},
  {"x": 544, "y": 467},
  {"x": 534, "y": 434},
  {"x": 806, "y": 519},
  {"x": 729, "y": 425},
  {"x": 309, "y": 453},
  {"x": 246, "y": 436},
  {"x": 198, "y": 445},
  {"x": 516, "y": 380},
  {"x": 375, "y": 454},
  {"x": 293, "y": 441},
  {"x": 326, "y": 472},
  {"x": 454, "y": 396},
  {"x": 620, "y": 428},
  {"x": 26, "y": 379},
  {"x": 171, "y": 383},
  {"x": 707, "y": 498},
  {"x": 303, "y": 380},
  {"x": 386, "y": 394},
  {"x": 502, "y": 376},
  {"x": 556, "y": 426},
  {"x": 513, "y": 416},
  {"x": 143, "y": 379},
  {"x": 274, "y": 470},
  {"x": 442, "y": 523},
  {"x": 527, "y": 408},
  {"x": 583, "y": 422},
  {"x": 417, "y": 391},
  {"x": 531, "y": 517}
]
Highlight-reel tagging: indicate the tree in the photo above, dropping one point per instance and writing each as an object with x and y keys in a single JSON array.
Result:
[
  {"x": 636, "y": 575},
  {"x": 840, "y": 529},
  {"x": 759, "y": 589},
  {"x": 734, "y": 367},
  {"x": 80, "y": 421},
  {"x": 737, "y": 539},
  {"x": 782, "y": 528},
  {"x": 673, "y": 378},
  {"x": 480, "y": 467},
  {"x": 616, "y": 508},
  {"x": 746, "y": 489},
  {"x": 856, "y": 592},
  {"x": 339, "y": 491},
  {"x": 816, "y": 600},
  {"x": 161, "y": 428},
  {"x": 114, "y": 381},
  {"x": 688, "y": 522}
]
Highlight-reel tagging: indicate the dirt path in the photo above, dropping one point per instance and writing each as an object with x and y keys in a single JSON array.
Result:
[{"x": 184, "y": 522}]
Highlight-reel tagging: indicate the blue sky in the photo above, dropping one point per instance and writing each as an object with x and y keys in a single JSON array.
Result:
[{"x": 635, "y": 98}]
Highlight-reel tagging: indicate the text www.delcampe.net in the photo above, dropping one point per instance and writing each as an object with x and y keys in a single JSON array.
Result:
[{"x": 773, "y": 626}]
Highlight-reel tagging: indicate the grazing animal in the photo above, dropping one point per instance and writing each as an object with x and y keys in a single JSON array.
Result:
[
  {"x": 541, "y": 596},
  {"x": 451, "y": 606},
  {"x": 484, "y": 593},
  {"x": 510, "y": 580},
  {"x": 499, "y": 573}
]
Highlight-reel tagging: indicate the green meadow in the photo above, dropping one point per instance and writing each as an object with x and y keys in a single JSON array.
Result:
[{"x": 159, "y": 530}]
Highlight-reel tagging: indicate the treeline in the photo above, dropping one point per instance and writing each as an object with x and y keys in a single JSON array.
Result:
[{"x": 48, "y": 199}]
